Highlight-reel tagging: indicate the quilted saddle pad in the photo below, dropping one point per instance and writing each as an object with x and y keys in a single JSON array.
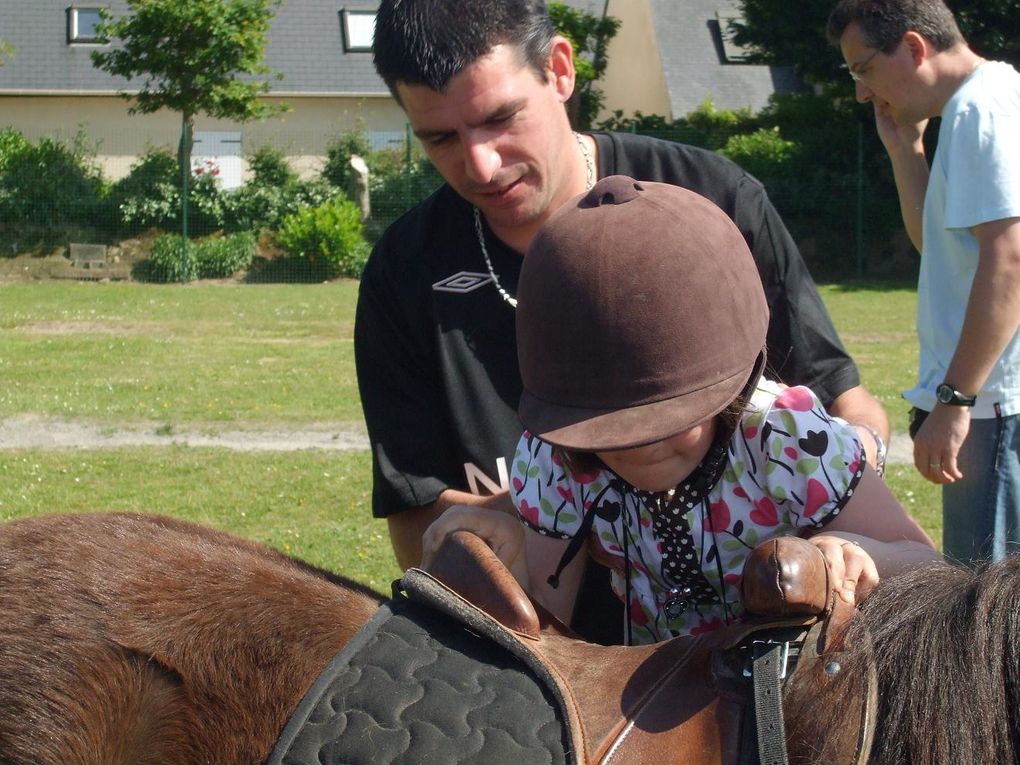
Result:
[{"x": 415, "y": 686}]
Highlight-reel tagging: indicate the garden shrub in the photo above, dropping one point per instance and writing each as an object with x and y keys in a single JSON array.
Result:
[
  {"x": 396, "y": 185},
  {"x": 269, "y": 167},
  {"x": 149, "y": 196},
  {"x": 12, "y": 143},
  {"x": 273, "y": 192},
  {"x": 212, "y": 258},
  {"x": 763, "y": 153},
  {"x": 256, "y": 206},
  {"x": 223, "y": 256},
  {"x": 329, "y": 237},
  {"x": 50, "y": 183},
  {"x": 337, "y": 170},
  {"x": 166, "y": 262}
]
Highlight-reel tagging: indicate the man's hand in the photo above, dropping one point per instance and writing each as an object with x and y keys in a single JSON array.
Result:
[
  {"x": 937, "y": 444},
  {"x": 898, "y": 138},
  {"x": 853, "y": 569}
]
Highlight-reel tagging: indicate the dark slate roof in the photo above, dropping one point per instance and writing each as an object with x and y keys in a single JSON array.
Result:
[
  {"x": 695, "y": 66},
  {"x": 305, "y": 44}
]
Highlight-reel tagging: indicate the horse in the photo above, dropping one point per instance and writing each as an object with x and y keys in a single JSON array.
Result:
[{"x": 136, "y": 638}]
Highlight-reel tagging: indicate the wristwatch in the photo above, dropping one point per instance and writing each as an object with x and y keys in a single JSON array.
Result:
[{"x": 947, "y": 394}]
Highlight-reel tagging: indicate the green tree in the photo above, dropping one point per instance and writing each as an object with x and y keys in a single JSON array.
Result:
[
  {"x": 590, "y": 36},
  {"x": 192, "y": 57},
  {"x": 6, "y": 49},
  {"x": 189, "y": 55}
]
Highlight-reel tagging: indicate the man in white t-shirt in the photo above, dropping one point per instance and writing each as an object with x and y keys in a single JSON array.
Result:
[{"x": 910, "y": 61}]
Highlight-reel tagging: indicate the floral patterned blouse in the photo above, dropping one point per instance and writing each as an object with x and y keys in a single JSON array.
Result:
[{"x": 676, "y": 557}]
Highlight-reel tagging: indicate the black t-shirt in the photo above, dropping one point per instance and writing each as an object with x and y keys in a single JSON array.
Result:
[{"x": 435, "y": 343}]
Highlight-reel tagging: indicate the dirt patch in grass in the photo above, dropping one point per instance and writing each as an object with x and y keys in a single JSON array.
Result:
[{"x": 37, "y": 432}]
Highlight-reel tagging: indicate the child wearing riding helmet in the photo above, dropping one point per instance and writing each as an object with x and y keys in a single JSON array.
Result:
[{"x": 653, "y": 441}]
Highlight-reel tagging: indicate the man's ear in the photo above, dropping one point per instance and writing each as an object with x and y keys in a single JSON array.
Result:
[
  {"x": 918, "y": 47},
  {"x": 561, "y": 67}
]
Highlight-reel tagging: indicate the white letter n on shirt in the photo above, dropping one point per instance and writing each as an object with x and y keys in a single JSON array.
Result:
[{"x": 476, "y": 477}]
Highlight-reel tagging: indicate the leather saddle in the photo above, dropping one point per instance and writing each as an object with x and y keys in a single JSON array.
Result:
[{"x": 716, "y": 698}]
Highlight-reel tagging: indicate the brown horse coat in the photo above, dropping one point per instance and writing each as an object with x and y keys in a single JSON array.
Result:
[{"x": 113, "y": 657}]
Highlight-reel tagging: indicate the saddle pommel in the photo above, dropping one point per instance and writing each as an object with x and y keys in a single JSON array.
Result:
[
  {"x": 786, "y": 576},
  {"x": 466, "y": 565}
]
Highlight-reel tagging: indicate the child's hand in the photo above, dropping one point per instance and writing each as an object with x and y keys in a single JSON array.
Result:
[
  {"x": 501, "y": 531},
  {"x": 853, "y": 570}
]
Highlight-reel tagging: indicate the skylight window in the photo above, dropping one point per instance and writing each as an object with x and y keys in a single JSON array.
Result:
[
  {"x": 82, "y": 22},
  {"x": 359, "y": 29}
]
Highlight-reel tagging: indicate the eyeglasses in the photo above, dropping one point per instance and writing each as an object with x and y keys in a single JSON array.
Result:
[{"x": 857, "y": 72}]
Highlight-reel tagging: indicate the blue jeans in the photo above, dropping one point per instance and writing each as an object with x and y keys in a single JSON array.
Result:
[{"x": 981, "y": 513}]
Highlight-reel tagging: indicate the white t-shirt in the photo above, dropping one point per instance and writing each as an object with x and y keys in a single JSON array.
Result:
[{"x": 975, "y": 178}]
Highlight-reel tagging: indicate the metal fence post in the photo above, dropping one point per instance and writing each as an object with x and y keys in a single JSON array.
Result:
[{"x": 185, "y": 172}]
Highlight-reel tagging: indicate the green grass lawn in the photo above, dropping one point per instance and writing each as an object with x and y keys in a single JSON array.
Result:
[{"x": 262, "y": 357}]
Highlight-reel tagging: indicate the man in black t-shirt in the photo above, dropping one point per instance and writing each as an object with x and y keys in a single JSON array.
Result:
[{"x": 483, "y": 83}]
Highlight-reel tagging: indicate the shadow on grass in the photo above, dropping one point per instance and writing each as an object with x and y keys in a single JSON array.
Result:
[{"x": 286, "y": 270}]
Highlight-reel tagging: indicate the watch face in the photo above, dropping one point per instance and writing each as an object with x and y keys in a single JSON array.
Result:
[{"x": 944, "y": 393}]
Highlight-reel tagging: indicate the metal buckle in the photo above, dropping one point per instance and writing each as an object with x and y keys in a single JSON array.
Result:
[{"x": 761, "y": 647}]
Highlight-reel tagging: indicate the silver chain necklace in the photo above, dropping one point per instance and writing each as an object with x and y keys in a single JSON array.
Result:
[{"x": 589, "y": 162}]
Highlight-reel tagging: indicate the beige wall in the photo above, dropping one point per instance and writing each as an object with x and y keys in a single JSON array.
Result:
[
  {"x": 634, "y": 80},
  {"x": 119, "y": 138}
]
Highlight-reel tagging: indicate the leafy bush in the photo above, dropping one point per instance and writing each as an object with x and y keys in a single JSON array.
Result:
[
  {"x": 397, "y": 185},
  {"x": 12, "y": 143},
  {"x": 213, "y": 258},
  {"x": 763, "y": 153},
  {"x": 707, "y": 126},
  {"x": 220, "y": 257},
  {"x": 328, "y": 236},
  {"x": 150, "y": 196},
  {"x": 256, "y": 206},
  {"x": 269, "y": 167},
  {"x": 168, "y": 263},
  {"x": 49, "y": 183},
  {"x": 147, "y": 196},
  {"x": 338, "y": 170}
]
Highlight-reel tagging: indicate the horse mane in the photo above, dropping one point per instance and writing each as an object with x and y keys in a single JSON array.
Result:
[{"x": 945, "y": 645}]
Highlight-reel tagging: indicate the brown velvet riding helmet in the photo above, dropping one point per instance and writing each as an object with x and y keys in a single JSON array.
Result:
[{"x": 640, "y": 314}]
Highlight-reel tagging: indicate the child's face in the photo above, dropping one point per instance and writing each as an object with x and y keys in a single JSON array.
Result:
[{"x": 664, "y": 464}]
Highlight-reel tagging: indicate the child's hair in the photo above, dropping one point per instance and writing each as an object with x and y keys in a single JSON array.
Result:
[{"x": 728, "y": 420}]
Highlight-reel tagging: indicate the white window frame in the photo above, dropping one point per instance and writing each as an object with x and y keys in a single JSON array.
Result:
[
  {"x": 74, "y": 36},
  {"x": 358, "y": 26}
]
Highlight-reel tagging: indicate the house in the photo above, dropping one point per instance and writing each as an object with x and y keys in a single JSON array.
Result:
[
  {"x": 322, "y": 48},
  {"x": 667, "y": 58}
]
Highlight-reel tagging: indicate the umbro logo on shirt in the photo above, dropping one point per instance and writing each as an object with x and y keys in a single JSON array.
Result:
[{"x": 462, "y": 282}]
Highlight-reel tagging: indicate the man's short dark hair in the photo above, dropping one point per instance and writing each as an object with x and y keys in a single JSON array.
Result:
[
  {"x": 884, "y": 22},
  {"x": 427, "y": 42}
]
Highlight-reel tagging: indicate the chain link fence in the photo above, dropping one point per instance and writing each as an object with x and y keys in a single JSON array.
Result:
[{"x": 260, "y": 217}]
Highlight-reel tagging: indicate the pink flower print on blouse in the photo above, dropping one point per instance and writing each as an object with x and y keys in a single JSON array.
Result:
[
  {"x": 765, "y": 513},
  {"x": 718, "y": 516},
  {"x": 637, "y": 613},
  {"x": 566, "y": 492},
  {"x": 529, "y": 513},
  {"x": 816, "y": 497},
  {"x": 798, "y": 399},
  {"x": 585, "y": 478}
]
